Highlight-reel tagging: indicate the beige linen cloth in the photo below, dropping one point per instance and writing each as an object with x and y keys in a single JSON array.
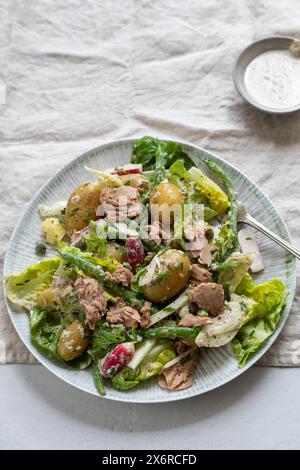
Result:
[{"x": 76, "y": 74}]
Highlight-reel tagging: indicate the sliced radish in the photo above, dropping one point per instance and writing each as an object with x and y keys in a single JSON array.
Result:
[
  {"x": 126, "y": 172},
  {"x": 123, "y": 170},
  {"x": 135, "y": 252},
  {"x": 248, "y": 244},
  {"x": 116, "y": 360}
]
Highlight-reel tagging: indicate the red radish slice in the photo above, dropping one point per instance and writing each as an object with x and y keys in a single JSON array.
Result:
[
  {"x": 116, "y": 360},
  {"x": 125, "y": 169},
  {"x": 135, "y": 253},
  {"x": 248, "y": 244},
  {"x": 126, "y": 172}
]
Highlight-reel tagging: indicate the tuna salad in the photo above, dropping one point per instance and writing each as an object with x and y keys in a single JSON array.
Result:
[{"x": 149, "y": 271}]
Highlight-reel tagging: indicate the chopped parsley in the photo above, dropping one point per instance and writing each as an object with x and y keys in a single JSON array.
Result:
[
  {"x": 245, "y": 308},
  {"x": 73, "y": 211},
  {"x": 89, "y": 215},
  {"x": 169, "y": 310},
  {"x": 161, "y": 277},
  {"x": 202, "y": 313}
]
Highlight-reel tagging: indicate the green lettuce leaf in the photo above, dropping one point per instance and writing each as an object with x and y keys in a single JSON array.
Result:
[
  {"x": 22, "y": 289},
  {"x": 217, "y": 198},
  {"x": 108, "y": 264},
  {"x": 267, "y": 296},
  {"x": 252, "y": 335},
  {"x": 227, "y": 240},
  {"x": 270, "y": 300},
  {"x": 226, "y": 182},
  {"x": 145, "y": 151},
  {"x": 94, "y": 243},
  {"x": 159, "y": 170},
  {"x": 178, "y": 175},
  {"x": 175, "y": 152},
  {"x": 151, "y": 366},
  {"x": 45, "y": 330},
  {"x": 246, "y": 285},
  {"x": 233, "y": 270}
]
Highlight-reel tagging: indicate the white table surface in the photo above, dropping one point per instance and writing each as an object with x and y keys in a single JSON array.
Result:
[{"x": 261, "y": 409}]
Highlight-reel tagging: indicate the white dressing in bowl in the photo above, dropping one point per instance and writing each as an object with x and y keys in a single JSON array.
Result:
[{"x": 272, "y": 79}]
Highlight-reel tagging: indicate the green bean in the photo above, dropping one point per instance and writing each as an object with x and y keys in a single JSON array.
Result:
[
  {"x": 171, "y": 332},
  {"x": 98, "y": 379}
]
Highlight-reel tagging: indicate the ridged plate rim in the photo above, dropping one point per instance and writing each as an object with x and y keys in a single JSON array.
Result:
[{"x": 130, "y": 396}]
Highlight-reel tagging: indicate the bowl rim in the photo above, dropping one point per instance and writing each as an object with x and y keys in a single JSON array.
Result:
[
  {"x": 236, "y": 81},
  {"x": 34, "y": 350}
]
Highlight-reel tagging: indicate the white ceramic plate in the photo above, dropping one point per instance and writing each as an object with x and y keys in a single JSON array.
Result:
[{"x": 216, "y": 366}]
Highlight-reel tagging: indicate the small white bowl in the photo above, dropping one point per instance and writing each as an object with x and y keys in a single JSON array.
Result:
[{"x": 248, "y": 54}]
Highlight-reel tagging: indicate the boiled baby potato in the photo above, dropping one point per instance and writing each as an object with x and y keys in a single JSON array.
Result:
[
  {"x": 115, "y": 251},
  {"x": 172, "y": 275},
  {"x": 81, "y": 207},
  {"x": 72, "y": 342},
  {"x": 165, "y": 195},
  {"x": 53, "y": 230}
]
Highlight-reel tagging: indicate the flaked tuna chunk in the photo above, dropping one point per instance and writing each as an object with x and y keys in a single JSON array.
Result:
[
  {"x": 62, "y": 283},
  {"x": 179, "y": 376},
  {"x": 194, "y": 320},
  {"x": 129, "y": 316},
  {"x": 208, "y": 296},
  {"x": 156, "y": 232},
  {"x": 145, "y": 312},
  {"x": 120, "y": 203},
  {"x": 124, "y": 314},
  {"x": 91, "y": 299},
  {"x": 63, "y": 292},
  {"x": 199, "y": 274},
  {"x": 198, "y": 246},
  {"x": 122, "y": 276},
  {"x": 181, "y": 346},
  {"x": 205, "y": 256}
]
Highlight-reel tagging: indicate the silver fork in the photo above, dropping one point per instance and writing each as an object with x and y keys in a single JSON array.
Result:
[{"x": 244, "y": 217}]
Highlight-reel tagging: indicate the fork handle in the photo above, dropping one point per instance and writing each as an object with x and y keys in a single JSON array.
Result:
[{"x": 257, "y": 225}]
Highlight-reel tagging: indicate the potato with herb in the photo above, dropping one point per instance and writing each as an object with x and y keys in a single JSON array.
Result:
[
  {"x": 72, "y": 342},
  {"x": 81, "y": 207},
  {"x": 53, "y": 230},
  {"x": 169, "y": 277},
  {"x": 166, "y": 195}
]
